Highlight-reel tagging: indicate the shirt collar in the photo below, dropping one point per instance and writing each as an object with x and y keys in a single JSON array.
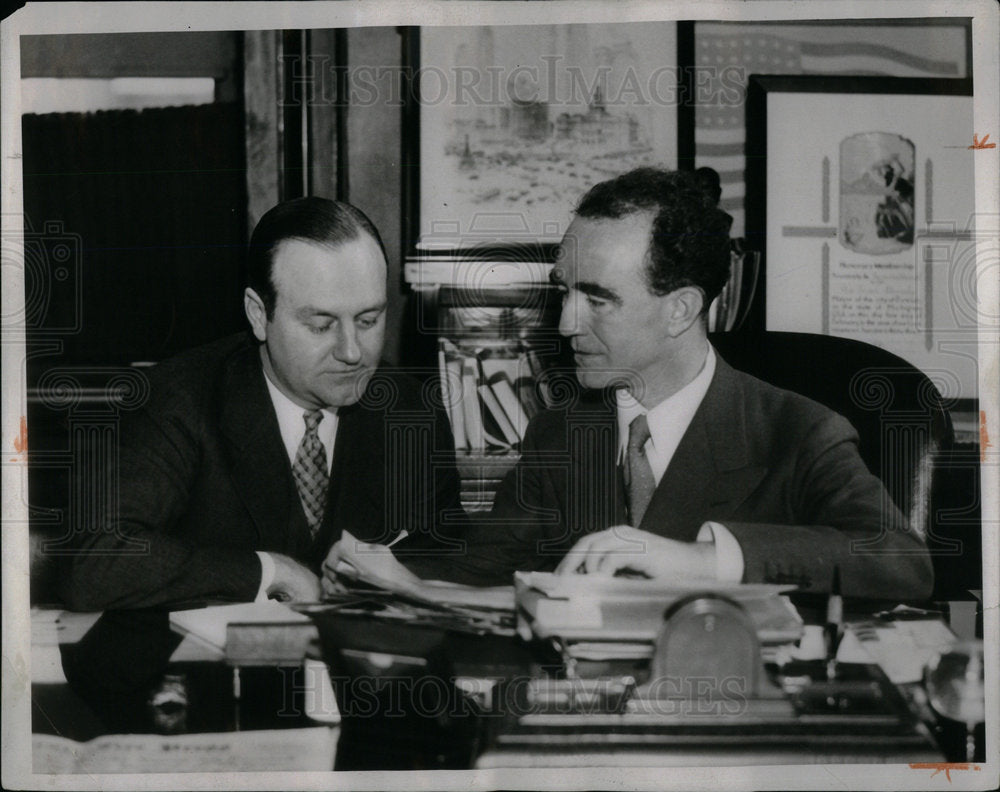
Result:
[
  {"x": 669, "y": 419},
  {"x": 291, "y": 425}
]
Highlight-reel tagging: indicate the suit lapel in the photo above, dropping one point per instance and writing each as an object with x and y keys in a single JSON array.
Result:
[
  {"x": 261, "y": 474},
  {"x": 710, "y": 474},
  {"x": 595, "y": 493},
  {"x": 358, "y": 465},
  {"x": 342, "y": 473}
]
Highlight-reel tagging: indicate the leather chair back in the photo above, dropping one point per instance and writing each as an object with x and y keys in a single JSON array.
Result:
[{"x": 900, "y": 416}]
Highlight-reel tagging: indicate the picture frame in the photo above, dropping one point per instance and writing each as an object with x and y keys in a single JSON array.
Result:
[
  {"x": 860, "y": 200},
  {"x": 492, "y": 175},
  {"x": 717, "y": 57}
]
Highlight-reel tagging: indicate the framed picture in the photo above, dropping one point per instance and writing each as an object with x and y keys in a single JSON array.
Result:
[
  {"x": 508, "y": 126},
  {"x": 860, "y": 197},
  {"x": 721, "y": 55}
]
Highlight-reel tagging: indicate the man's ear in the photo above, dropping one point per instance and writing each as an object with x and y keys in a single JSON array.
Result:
[
  {"x": 253, "y": 305},
  {"x": 682, "y": 308}
]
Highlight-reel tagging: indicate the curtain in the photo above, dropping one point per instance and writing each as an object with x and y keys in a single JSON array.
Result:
[{"x": 135, "y": 226}]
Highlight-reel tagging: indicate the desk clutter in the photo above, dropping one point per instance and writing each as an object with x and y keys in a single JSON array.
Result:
[{"x": 552, "y": 671}]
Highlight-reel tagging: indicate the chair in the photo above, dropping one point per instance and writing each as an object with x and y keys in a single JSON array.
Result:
[{"x": 906, "y": 434}]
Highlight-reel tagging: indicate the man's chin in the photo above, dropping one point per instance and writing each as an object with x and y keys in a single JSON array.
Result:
[
  {"x": 594, "y": 380},
  {"x": 347, "y": 392}
]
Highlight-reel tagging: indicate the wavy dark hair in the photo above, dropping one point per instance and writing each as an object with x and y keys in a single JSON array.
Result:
[
  {"x": 689, "y": 244},
  {"x": 310, "y": 219}
]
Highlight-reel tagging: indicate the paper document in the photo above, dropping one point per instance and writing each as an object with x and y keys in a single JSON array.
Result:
[
  {"x": 901, "y": 648},
  {"x": 209, "y": 625},
  {"x": 374, "y": 565},
  {"x": 247, "y": 751}
]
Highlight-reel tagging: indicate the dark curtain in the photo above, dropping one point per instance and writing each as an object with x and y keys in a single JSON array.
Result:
[{"x": 135, "y": 226}]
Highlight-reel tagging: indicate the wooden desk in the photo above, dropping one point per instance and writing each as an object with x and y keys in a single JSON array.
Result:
[{"x": 221, "y": 728}]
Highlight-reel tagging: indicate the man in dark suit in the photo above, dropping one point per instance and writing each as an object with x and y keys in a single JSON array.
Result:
[
  {"x": 673, "y": 465},
  {"x": 253, "y": 454}
]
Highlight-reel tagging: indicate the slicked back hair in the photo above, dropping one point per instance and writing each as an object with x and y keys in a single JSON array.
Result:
[
  {"x": 689, "y": 244},
  {"x": 309, "y": 219}
]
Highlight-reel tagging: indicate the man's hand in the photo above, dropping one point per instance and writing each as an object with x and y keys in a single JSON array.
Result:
[
  {"x": 373, "y": 563},
  {"x": 292, "y": 581},
  {"x": 626, "y": 548}
]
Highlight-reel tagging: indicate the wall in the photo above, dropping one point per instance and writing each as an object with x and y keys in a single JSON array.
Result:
[
  {"x": 107, "y": 55},
  {"x": 374, "y": 132}
]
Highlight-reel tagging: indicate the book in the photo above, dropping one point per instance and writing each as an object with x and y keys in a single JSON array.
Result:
[
  {"x": 471, "y": 411},
  {"x": 496, "y": 411},
  {"x": 504, "y": 393},
  {"x": 594, "y": 608},
  {"x": 450, "y": 372},
  {"x": 455, "y": 394},
  {"x": 540, "y": 377},
  {"x": 494, "y": 362}
]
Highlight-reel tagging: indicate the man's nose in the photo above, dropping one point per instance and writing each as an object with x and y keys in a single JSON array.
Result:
[
  {"x": 570, "y": 320},
  {"x": 346, "y": 348}
]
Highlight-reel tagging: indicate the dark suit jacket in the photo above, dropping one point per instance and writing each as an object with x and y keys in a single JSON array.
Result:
[
  {"x": 204, "y": 481},
  {"x": 780, "y": 471}
]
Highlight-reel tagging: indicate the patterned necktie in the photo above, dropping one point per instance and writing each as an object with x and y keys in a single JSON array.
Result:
[
  {"x": 639, "y": 481},
  {"x": 309, "y": 471}
]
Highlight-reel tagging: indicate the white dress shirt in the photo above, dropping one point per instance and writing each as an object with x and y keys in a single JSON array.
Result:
[
  {"x": 293, "y": 429},
  {"x": 668, "y": 421}
]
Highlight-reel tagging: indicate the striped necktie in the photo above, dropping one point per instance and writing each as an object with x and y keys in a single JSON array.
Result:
[{"x": 309, "y": 471}]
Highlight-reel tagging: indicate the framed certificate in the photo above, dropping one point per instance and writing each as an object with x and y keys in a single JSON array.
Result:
[{"x": 860, "y": 196}]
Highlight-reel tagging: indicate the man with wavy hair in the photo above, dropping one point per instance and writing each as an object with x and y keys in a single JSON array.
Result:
[{"x": 672, "y": 465}]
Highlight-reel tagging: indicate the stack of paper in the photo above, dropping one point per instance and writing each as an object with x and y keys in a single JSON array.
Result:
[{"x": 592, "y": 608}]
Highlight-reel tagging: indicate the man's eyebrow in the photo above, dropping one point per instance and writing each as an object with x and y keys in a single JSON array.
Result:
[
  {"x": 310, "y": 311},
  {"x": 594, "y": 290}
]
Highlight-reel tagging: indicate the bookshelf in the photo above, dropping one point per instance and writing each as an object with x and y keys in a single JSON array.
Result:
[{"x": 494, "y": 321}]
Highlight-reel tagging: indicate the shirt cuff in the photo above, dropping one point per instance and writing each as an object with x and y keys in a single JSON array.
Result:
[
  {"x": 267, "y": 571},
  {"x": 728, "y": 553}
]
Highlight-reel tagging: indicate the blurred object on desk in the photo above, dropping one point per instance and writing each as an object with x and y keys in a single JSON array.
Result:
[
  {"x": 902, "y": 648},
  {"x": 955, "y": 686}
]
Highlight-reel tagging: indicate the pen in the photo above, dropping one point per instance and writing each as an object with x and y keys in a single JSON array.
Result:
[{"x": 833, "y": 630}]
